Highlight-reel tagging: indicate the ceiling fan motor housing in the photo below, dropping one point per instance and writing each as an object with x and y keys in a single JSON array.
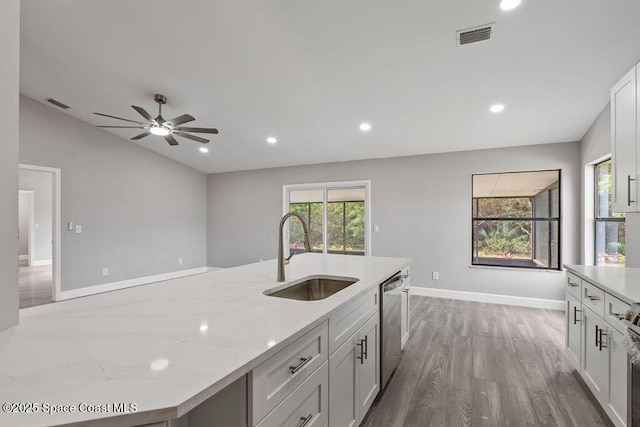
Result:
[{"x": 160, "y": 99}]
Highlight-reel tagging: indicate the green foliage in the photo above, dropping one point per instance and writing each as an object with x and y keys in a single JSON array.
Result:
[
  {"x": 345, "y": 225},
  {"x": 496, "y": 238}
]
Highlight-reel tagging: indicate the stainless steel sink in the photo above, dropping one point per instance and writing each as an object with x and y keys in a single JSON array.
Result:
[{"x": 312, "y": 288}]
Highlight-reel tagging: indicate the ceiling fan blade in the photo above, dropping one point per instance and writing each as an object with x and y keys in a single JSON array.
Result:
[
  {"x": 198, "y": 130},
  {"x": 192, "y": 137},
  {"x": 180, "y": 120},
  {"x": 123, "y": 127},
  {"x": 119, "y": 118},
  {"x": 171, "y": 140},
  {"x": 142, "y": 135},
  {"x": 143, "y": 113}
]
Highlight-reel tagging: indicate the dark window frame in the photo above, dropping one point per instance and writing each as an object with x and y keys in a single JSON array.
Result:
[
  {"x": 534, "y": 220},
  {"x": 596, "y": 218}
]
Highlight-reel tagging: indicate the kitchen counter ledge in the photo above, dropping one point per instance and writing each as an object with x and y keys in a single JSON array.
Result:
[
  {"x": 622, "y": 283},
  {"x": 165, "y": 347}
]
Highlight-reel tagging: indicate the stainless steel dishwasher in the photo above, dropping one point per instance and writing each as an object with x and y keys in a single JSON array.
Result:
[{"x": 390, "y": 344}]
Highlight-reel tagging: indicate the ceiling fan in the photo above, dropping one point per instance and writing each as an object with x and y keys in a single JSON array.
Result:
[{"x": 160, "y": 126}]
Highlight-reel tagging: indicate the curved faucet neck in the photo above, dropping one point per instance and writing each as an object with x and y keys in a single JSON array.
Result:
[{"x": 307, "y": 246}]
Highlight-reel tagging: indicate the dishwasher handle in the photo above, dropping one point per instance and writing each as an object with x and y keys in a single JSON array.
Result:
[{"x": 393, "y": 283}]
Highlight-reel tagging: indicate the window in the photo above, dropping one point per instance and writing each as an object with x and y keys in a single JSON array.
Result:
[
  {"x": 516, "y": 219},
  {"x": 337, "y": 215},
  {"x": 609, "y": 225}
]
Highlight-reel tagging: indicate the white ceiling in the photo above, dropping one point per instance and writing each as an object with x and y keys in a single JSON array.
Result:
[
  {"x": 519, "y": 184},
  {"x": 308, "y": 72}
]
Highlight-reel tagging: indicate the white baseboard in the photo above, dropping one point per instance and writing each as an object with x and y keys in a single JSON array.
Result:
[
  {"x": 490, "y": 298},
  {"x": 23, "y": 257},
  {"x": 214, "y": 268},
  {"x": 114, "y": 286},
  {"x": 42, "y": 262}
]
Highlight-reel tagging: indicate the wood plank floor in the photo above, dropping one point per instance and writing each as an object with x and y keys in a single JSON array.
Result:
[
  {"x": 34, "y": 285},
  {"x": 476, "y": 364}
]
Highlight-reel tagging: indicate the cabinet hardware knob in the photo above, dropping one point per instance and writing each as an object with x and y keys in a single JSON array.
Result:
[
  {"x": 305, "y": 420},
  {"x": 303, "y": 361},
  {"x": 366, "y": 346},
  {"x": 361, "y": 357},
  {"x": 600, "y": 344}
]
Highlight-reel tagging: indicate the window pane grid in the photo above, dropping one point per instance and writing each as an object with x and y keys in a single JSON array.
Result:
[
  {"x": 516, "y": 220},
  {"x": 609, "y": 226}
]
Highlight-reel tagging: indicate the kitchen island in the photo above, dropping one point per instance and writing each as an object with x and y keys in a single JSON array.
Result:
[{"x": 153, "y": 353}]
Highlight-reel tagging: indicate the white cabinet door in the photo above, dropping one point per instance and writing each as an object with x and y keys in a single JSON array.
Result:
[
  {"x": 593, "y": 356},
  {"x": 624, "y": 143},
  {"x": 343, "y": 374},
  {"x": 369, "y": 364},
  {"x": 354, "y": 373},
  {"x": 573, "y": 321},
  {"x": 618, "y": 373}
]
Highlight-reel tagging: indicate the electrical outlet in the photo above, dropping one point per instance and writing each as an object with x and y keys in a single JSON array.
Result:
[
  {"x": 180, "y": 261},
  {"x": 376, "y": 229},
  {"x": 78, "y": 229},
  {"x": 435, "y": 275},
  {"x": 261, "y": 259},
  {"x": 105, "y": 271},
  {"x": 36, "y": 225}
]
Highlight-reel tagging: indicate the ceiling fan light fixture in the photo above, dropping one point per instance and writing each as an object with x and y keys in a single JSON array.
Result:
[{"x": 159, "y": 130}]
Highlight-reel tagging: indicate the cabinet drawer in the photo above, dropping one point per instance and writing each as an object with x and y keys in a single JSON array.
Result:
[
  {"x": 273, "y": 380},
  {"x": 573, "y": 285},
  {"x": 593, "y": 297},
  {"x": 307, "y": 402},
  {"x": 348, "y": 318},
  {"x": 613, "y": 310}
]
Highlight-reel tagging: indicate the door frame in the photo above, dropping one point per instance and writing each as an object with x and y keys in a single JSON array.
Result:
[
  {"x": 56, "y": 231},
  {"x": 32, "y": 227},
  {"x": 326, "y": 186}
]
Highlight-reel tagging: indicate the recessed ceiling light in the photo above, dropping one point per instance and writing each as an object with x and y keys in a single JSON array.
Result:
[
  {"x": 271, "y": 140},
  {"x": 365, "y": 127},
  {"x": 204, "y": 150},
  {"x": 509, "y": 4},
  {"x": 496, "y": 108}
]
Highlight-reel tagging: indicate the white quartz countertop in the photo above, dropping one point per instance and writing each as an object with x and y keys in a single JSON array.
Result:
[
  {"x": 165, "y": 347},
  {"x": 622, "y": 283}
]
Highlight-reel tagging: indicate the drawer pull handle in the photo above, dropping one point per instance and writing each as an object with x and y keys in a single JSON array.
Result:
[
  {"x": 575, "y": 315},
  {"x": 592, "y": 297},
  {"x": 573, "y": 285},
  {"x": 303, "y": 361},
  {"x": 629, "y": 201},
  {"x": 597, "y": 336},
  {"x": 618, "y": 316},
  {"x": 306, "y": 420},
  {"x": 600, "y": 344}
]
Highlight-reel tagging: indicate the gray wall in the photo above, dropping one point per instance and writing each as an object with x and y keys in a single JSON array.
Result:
[
  {"x": 597, "y": 144},
  {"x": 24, "y": 214},
  {"x": 9, "y": 90},
  {"x": 41, "y": 183},
  {"x": 139, "y": 211},
  {"x": 422, "y": 205}
]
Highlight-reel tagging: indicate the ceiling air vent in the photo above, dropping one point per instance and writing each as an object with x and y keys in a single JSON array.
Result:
[
  {"x": 473, "y": 35},
  {"x": 57, "y": 103}
]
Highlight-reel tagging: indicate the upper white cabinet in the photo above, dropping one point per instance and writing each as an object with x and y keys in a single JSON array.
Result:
[{"x": 625, "y": 142}]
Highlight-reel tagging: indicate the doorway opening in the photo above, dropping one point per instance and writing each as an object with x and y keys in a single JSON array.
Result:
[{"x": 39, "y": 235}]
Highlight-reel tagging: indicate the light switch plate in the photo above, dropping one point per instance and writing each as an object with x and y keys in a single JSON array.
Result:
[{"x": 78, "y": 229}]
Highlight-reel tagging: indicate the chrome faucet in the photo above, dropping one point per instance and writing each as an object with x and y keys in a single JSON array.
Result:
[{"x": 307, "y": 246}]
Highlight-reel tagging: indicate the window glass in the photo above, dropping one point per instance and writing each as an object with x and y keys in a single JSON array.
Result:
[
  {"x": 609, "y": 225},
  {"x": 516, "y": 219}
]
